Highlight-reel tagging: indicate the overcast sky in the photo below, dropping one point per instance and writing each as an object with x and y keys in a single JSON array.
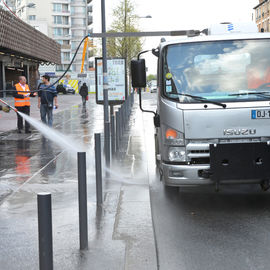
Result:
[{"x": 178, "y": 15}]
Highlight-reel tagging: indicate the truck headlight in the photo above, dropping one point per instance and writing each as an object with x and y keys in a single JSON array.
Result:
[
  {"x": 176, "y": 154},
  {"x": 173, "y": 137}
]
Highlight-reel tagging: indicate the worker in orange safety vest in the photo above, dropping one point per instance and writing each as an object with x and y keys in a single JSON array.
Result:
[
  {"x": 22, "y": 103},
  {"x": 258, "y": 74}
]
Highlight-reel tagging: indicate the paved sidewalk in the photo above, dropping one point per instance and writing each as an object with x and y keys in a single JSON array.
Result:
[
  {"x": 120, "y": 234},
  {"x": 8, "y": 121}
]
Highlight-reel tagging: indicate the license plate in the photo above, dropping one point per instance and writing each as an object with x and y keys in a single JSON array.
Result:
[{"x": 260, "y": 114}]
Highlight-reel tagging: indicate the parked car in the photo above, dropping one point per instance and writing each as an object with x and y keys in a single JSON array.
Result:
[
  {"x": 153, "y": 87},
  {"x": 70, "y": 89},
  {"x": 65, "y": 89}
]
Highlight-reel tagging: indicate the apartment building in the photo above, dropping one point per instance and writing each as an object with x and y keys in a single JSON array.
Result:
[
  {"x": 262, "y": 15},
  {"x": 66, "y": 21}
]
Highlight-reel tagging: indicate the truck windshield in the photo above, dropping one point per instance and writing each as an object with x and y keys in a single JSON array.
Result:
[{"x": 223, "y": 71}]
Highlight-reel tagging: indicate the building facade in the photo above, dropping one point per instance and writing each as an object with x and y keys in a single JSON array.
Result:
[
  {"x": 262, "y": 15},
  {"x": 66, "y": 21},
  {"x": 22, "y": 50}
]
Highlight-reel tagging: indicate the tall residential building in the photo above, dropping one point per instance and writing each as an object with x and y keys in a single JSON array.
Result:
[
  {"x": 66, "y": 21},
  {"x": 262, "y": 15}
]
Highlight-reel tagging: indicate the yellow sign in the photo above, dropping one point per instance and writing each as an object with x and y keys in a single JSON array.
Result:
[{"x": 73, "y": 83}]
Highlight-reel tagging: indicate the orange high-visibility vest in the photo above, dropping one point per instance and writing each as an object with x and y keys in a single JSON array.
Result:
[
  {"x": 20, "y": 102},
  {"x": 255, "y": 79}
]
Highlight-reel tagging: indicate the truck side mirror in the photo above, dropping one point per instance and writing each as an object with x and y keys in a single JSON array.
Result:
[{"x": 138, "y": 73}]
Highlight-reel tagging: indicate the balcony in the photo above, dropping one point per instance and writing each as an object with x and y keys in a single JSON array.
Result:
[
  {"x": 65, "y": 47},
  {"x": 90, "y": 8},
  {"x": 90, "y": 19},
  {"x": 65, "y": 61}
]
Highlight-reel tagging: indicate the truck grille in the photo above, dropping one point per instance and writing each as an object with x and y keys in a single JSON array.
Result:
[{"x": 198, "y": 153}]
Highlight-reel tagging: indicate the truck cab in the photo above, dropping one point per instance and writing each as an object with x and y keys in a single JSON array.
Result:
[{"x": 213, "y": 107}]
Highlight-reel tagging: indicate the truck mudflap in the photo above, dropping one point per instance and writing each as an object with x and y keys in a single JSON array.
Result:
[{"x": 239, "y": 161}]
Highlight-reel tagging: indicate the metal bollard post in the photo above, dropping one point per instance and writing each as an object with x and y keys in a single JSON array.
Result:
[
  {"x": 121, "y": 121},
  {"x": 98, "y": 169},
  {"x": 117, "y": 132},
  {"x": 108, "y": 158},
  {"x": 82, "y": 189},
  {"x": 113, "y": 135},
  {"x": 45, "y": 231}
]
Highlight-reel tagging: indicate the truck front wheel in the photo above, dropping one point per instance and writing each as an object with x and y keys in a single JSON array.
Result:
[{"x": 265, "y": 185}]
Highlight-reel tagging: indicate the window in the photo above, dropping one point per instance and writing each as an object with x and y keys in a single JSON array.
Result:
[
  {"x": 73, "y": 45},
  {"x": 64, "y": 8},
  {"x": 65, "y": 56},
  {"x": 65, "y": 31},
  {"x": 60, "y": 41},
  {"x": 61, "y": 67},
  {"x": 72, "y": 10},
  {"x": 57, "y": 7},
  {"x": 32, "y": 17},
  {"x": 60, "y": 20},
  {"x": 57, "y": 19},
  {"x": 66, "y": 42},
  {"x": 65, "y": 20},
  {"x": 58, "y": 31},
  {"x": 220, "y": 71}
]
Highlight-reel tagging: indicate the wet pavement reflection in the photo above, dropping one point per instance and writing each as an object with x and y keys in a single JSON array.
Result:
[{"x": 32, "y": 164}]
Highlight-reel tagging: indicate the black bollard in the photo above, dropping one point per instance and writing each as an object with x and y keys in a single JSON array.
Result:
[
  {"x": 117, "y": 131},
  {"x": 82, "y": 189},
  {"x": 45, "y": 231},
  {"x": 113, "y": 135},
  {"x": 99, "y": 195}
]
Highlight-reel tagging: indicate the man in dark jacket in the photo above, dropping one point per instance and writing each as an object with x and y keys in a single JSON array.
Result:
[
  {"x": 47, "y": 99},
  {"x": 84, "y": 93}
]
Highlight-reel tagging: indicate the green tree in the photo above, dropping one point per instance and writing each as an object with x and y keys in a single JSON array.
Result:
[
  {"x": 124, "y": 21},
  {"x": 151, "y": 77}
]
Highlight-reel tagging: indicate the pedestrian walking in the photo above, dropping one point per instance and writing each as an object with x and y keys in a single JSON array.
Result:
[
  {"x": 84, "y": 93},
  {"x": 22, "y": 103},
  {"x": 47, "y": 100}
]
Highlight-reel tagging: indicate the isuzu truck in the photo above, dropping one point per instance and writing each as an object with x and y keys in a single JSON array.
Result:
[{"x": 213, "y": 106}]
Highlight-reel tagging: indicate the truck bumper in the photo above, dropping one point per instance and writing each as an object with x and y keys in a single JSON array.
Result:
[{"x": 182, "y": 175}]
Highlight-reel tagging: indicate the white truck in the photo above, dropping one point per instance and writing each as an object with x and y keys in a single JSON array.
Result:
[{"x": 213, "y": 106}]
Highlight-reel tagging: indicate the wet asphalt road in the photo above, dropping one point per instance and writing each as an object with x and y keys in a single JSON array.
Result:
[
  {"x": 194, "y": 228},
  {"x": 199, "y": 229}
]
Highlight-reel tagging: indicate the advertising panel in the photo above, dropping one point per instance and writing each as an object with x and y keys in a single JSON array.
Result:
[{"x": 116, "y": 72}]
